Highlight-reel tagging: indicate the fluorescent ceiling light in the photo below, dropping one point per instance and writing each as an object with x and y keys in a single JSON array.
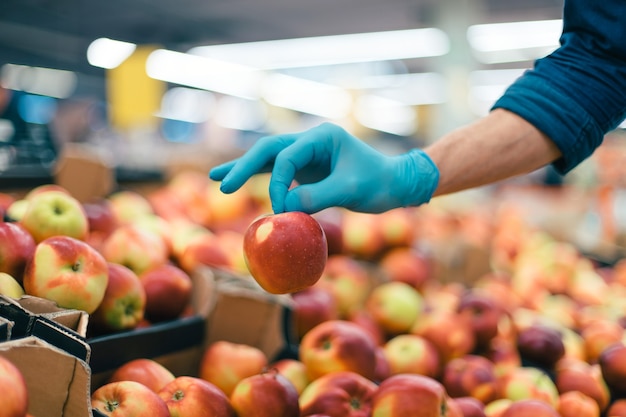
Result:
[
  {"x": 516, "y": 41},
  {"x": 410, "y": 89},
  {"x": 330, "y": 50},
  {"x": 37, "y": 80},
  {"x": 109, "y": 53},
  {"x": 186, "y": 104},
  {"x": 385, "y": 115}
]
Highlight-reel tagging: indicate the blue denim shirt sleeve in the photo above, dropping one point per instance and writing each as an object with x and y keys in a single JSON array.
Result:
[{"x": 578, "y": 93}]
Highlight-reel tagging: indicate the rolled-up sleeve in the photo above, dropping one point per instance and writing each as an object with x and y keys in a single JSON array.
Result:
[{"x": 578, "y": 93}]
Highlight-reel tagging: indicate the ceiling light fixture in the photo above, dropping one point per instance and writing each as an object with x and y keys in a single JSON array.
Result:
[{"x": 109, "y": 53}]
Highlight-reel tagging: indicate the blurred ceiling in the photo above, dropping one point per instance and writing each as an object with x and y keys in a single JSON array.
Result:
[{"x": 56, "y": 33}]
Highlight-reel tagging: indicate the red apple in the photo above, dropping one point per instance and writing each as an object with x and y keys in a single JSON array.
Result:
[
  {"x": 128, "y": 399},
  {"x": 15, "y": 398},
  {"x": 409, "y": 395},
  {"x": 267, "y": 394},
  {"x": 338, "y": 345},
  {"x": 409, "y": 353},
  {"x": 205, "y": 249},
  {"x": 334, "y": 234},
  {"x": 612, "y": 363},
  {"x": 541, "y": 345},
  {"x": 581, "y": 376},
  {"x": 338, "y": 394},
  {"x": 68, "y": 271},
  {"x": 53, "y": 213},
  {"x": 100, "y": 217},
  {"x": 146, "y": 371},
  {"x": 135, "y": 248},
  {"x": 599, "y": 334},
  {"x": 525, "y": 383},
  {"x": 577, "y": 404},
  {"x": 194, "y": 397},
  {"x": 225, "y": 363},
  {"x": 484, "y": 314},
  {"x": 364, "y": 319},
  {"x": 395, "y": 306},
  {"x": 285, "y": 252},
  {"x": 617, "y": 408},
  {"x": 471, "y": 376},
  {"x": 469, "y": 406},
  {"x": 294, "y": 370},
  {"x": 168, "y": 292},
  {"x": 16, "y": 247},
  {"x": 124, "y": 302},
  {"x": 312, "y": 306},
  {"x": 348, "y": 280},
  {"x": 408, "y": 265},
  {"x": 530, "y": 408},
  {"x": 361, "y": 237},
  {"x": 398, "y": 227}
]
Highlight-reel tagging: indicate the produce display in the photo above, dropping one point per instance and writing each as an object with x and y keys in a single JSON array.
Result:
[{"x": 389, "y": 317}]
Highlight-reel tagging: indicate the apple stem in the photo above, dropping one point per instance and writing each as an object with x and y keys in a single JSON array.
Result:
[{"x": 112, "y": 405}]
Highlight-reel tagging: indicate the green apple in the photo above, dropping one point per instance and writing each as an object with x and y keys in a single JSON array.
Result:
[
  {"x": 395, "y": 306},
  {"x": 54, "y": 213}
]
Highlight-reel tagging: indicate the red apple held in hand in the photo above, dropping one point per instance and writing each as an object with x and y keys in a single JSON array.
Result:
[
  {"x": 16, "y": 247},
  {"x": 194, "y": 397},
  {"x": 225, "y": 363},
  {"x": 146, "y": 371},
  {"x": 471, "y": 376},
  {"x": 267, "y": 394},
  {"x": 54, "y": 213},
  {"x": 294, "y": 370},
  {"x": 128, "y": 399},
  {"x": 168, "y": 292},
  {"x": 577, "y": 404},
  {"x": 135, "y": 248},
  {"x": 312, "y": 306},
  {"x": 9, "y": 286},
  {"x": 338, "y": 345},
  {"x": 410, "y": 353},
  {"x": 15, "y": 398},
  {"x": 612, "y": 362},
  {"x": 285, "y": 252},
  {"x": 530, "y": 408},
  {"x": 409, "y": 395},
  {"x": 338, "y": 394},
  {"x": 69, "y": 272},
  {"x": 395, "y": 306},
  {"x": 124, "y": 302}
]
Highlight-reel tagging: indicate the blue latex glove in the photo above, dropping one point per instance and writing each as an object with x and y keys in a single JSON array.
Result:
[{"x": 333, "y": 169}]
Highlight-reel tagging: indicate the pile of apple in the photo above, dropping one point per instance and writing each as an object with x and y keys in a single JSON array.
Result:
[{"x": 379, "y": 334}]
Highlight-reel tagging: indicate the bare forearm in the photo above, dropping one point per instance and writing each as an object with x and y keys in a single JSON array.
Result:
[{"x": 499, "y": 146}]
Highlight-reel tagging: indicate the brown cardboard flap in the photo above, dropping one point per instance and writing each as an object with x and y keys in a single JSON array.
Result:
[
  {"x": 58, "y": 383},
  {"x": 75, "y": 320}
]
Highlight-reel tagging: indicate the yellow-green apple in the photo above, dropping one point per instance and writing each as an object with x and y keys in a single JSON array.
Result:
[
  {"x": 267, "y": 394},
  {"x": 15, "y": 397},
  {"x": 9, "y": 286},
  {"x": 612, "y": 362},
  {"x": 469, "y": 406},
  {"x": 16, "y": 247},
  {"x": 67, "y": 271},
  {"x": 410, "y": 395},
  {"x": 294, "y": 370},
  {"x": 471, "y": 376},
  {"x": 498, "y": 407},
  {"x": 16, "y": 210},
  {"x": 188, "y": 396},
  {"x": 408, "y": 265},
  {"x": 395, "y": 306},
  {"x": 410, "y": 353},
  {"x": 577, "y": 404},
  {"x": 157, "y": 225},
  {"x": 146, "y": 371},
  {"x": 128, "y": 399},
  {"x": 581, "y": 376},
  {"x": 203, "y": 250},
  {"x": 362, "y": 238},
  {"x": 540, "y": 345},
  {"x": 338, "y": 345},
  {"x": 312, "y": 306},
  {"x": 135, "y": 248},
  {"x": 617, "y": 408},
  {"x": 168, "y": 292},
  {"x": 338, "y": 394},
  {"x": 129, "y": 205},
  {"x": 348, "y": 280},
  {"x": 484, "y": 315},
  {"x": 124, "y": 302},
  {"x": 54, "y": 213},
  {"x": 448, "y": 331},
  {"x": 530, "y": 408},
  {"x": 285, "y": 252},
  {"x": 528, "y": 383},
  {"x": 225, "y": 363}
]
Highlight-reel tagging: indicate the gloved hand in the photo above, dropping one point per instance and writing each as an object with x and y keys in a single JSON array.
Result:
[{"x": 332, "y": 168}]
